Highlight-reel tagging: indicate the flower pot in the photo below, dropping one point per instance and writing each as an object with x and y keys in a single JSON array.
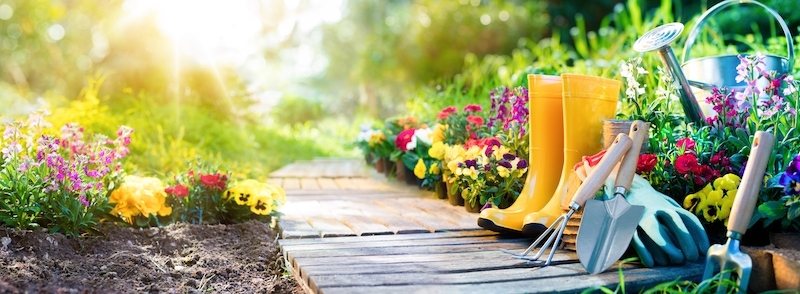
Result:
[
  {"x": 399, "y": 171},
  {"x": 440, "y": 190},
  {"x": 613, "y": 127},
  {"x": 411, "y": 178},
  {"x": 388, "y": 166},
  {"x": 454, "y": 196},
  {"x": 380, "y": 166},
  {"x": 473, "y": 208}
]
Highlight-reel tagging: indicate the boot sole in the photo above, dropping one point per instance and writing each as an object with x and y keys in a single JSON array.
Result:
[
  {"x": 533, "y": 230},
  {"x": 491, "y": 226}
]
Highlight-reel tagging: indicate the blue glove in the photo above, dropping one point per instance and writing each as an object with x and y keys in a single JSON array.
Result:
[{"x": 667, "y": 233}]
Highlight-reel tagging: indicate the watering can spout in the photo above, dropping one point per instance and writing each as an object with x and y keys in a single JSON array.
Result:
[{"x": 659, "y": 39}]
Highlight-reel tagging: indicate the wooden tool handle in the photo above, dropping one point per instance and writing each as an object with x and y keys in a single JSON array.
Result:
[
  {"x": 627, "y": 168},
  {"x": 600, "y": 173},
  {"x": 746, "y": 196}
]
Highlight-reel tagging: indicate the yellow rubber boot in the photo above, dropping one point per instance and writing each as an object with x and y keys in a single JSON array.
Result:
[
  {"x": 587, "y": 102},
  {"x": 545, "y": 159}
]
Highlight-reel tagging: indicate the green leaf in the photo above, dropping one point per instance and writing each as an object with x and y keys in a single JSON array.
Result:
[
  {"x": 793, "y": 211},
  {"x": 771, "y": 211}
]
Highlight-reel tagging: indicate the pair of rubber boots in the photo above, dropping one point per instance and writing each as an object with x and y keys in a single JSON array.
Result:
[{"x": 566, "y": 120}]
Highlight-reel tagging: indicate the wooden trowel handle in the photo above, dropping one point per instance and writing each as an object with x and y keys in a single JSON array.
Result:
[
  {"x": 627, "y": 168},
  {"x": 745, "y": 202},
  {"x": 600, "y": 173}
]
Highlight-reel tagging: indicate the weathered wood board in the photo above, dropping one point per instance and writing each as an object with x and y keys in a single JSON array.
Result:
[{"x": 451, "y": 262}]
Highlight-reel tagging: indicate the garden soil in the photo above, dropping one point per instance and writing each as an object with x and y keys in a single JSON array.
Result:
[{"x": 179, "y": 258}]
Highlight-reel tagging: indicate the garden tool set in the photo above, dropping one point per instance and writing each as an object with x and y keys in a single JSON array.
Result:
[
  {"x": 706, "y": 73},
  {"x": 607, "y": 227},
  {"x": 587, "y": 190},
  {"x": 728, "y": 257}
]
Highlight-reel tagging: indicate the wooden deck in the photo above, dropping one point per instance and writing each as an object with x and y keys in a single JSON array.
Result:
[{"x": 347, "y": 229}]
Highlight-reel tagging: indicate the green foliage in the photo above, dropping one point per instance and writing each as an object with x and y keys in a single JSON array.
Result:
[{"x": 296, "y": 110}]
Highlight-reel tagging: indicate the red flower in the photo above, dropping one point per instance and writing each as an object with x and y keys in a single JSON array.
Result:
[
  {"x": 216, "y": 181},
  {"x": 490, "y": 142},
  {"x": 685, "y": 163},
  {"x": 447, "y": 111},
  {"x": 475, "y": 120},
  {"x": 178, "y": 191},
  {"x": 704, "y": 174},
  {"x": 472, "y": 108},
  {"x": 646, "y": 163},
  {"x": 686, "y": 143},
  {"x": 404, "y": 138}
]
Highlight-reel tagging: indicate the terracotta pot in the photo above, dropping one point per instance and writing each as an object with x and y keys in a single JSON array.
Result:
[
  {"x": 388, "y": 166},
  {"x": 380, "y": 166},
  {"x": 440, "y": 189},
  {"x": 787, "y": 272},
  {"x": 399, "y": 171}
]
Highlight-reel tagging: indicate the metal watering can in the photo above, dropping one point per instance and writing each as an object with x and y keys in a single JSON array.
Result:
[{"x": 702, "y": 74}]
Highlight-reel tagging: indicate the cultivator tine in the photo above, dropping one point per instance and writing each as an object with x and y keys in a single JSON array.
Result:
[{"x": 553, "y": 235}]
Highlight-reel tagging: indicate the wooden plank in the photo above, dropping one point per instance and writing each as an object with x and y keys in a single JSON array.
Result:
[
  {"x": 428, "y": 220},
  {"x": 399, "y": 242},
  {"x": 327, "y": 184},
  {"x": 309, "y": 184},
  {"x": 365, "y": 226},
  {"x": 433, "y": 249},
  {"x": 291, "y": 184},
  {"x": 296, "y": 227},
  {"x": 636, "y": 279},
  {"x": 275, "y": 181},
  {"x": 330, "y": 226},
  {"x": 444, "y": 235},
  {"x": 454, "y": 214}
]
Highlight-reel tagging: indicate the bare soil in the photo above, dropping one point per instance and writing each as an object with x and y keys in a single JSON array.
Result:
[{"x": 179, "y": 258}]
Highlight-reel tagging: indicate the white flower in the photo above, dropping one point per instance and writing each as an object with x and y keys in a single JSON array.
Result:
[{"x": 423, "y": 135}]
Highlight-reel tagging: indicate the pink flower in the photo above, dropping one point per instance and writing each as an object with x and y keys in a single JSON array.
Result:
[
  {"x": 686, "y": 143},
  {"x": 686, "y": 163},
  {"x": 472, "y": 108},
  {"x": 475, "y": 120},
  {"x": 446, "y": 112}
]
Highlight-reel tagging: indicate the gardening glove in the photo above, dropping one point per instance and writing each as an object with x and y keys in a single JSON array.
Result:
[{"x": 667, "y": 233}]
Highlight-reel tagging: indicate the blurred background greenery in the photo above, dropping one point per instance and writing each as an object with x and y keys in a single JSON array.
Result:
[{"x": 256, "y": 84}]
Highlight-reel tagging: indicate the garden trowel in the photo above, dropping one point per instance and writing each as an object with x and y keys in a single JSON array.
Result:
[{"x": 607, "y": 227}]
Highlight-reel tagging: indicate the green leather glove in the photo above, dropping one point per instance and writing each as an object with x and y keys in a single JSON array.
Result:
[{"x": 667, "y": 233}]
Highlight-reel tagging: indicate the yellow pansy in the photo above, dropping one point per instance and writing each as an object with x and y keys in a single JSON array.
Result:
[
  {"x": 438, "y": 133},
  {"x": 692, "y": 200},
  {"x": 710, "y": 210},
  {"x": 499, "y": 152},
  {"x": 473, "y": 152},
  {"x": 262, "y": 204},
  {"x": 725, "y": 208},
  {"x": 419, "y": 169},
  {"x": 453, "y": 165},
  {"x": 376, "y": 139},
  {"x": 434, "y": 170},
  {"x": 243, "y": 192},
  {"x": 727, "y": 182},
  {"x": 714, "y": 196},
  {"x": 437, "y": 150}
]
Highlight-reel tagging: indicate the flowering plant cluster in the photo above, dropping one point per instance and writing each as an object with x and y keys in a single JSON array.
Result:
[
  {"x": 374, "y": 143},
  {"x": 508, "y": 119},
  {"x": 57, "y": 182},
  {"x": 458, "y": 127},
  {"x": 205, "y": 195},
  {"x": 713, "y": 202},
  {"x": 786, "y": 208},
  {"x": 488, "y": 173}
]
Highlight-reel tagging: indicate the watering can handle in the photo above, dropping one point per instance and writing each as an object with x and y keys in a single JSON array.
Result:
[{"x": 716, "y": 8}]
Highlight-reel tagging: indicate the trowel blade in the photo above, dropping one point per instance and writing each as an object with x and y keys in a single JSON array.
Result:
[{"x": 606, "y": 230}]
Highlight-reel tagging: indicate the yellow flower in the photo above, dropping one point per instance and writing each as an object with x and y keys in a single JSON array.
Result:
[
  {"x": 243, "y": 192},
  {"x": 714, "y": 196},
  {"x": 453, "y": 166},
  {"x": 710, "y": 210},
  {"x": 434, "y": 170},
  {"x": 438, "y": 133},
  {"x": 691, "y": 201},
  {"x": 726, "y": 182},
  {"x": 139, "y": 196},
  {"x": 437, "y": 150},
  {"x": 419, "y": 169},
  {"x": 376, "y": 139},
  {"x": 499, "y": 152},
  {"x": 725, "y": 209},
  {"x": 278, "y": 193},
  {"x": 503, "y": 171},
  {"x": 262, "y": 204}
]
